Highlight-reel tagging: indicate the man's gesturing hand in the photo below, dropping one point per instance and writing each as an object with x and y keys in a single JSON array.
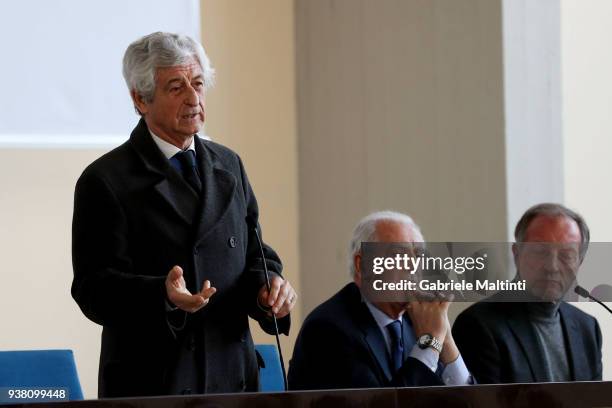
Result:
[
  {"x": 281, "y": 299},
  {"x": 177, "y": 292}
]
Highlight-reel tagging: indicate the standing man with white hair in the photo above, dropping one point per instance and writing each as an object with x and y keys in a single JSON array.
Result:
[
  {"x": 165, "y": 254},
  {"x": 350, "y": 342}
]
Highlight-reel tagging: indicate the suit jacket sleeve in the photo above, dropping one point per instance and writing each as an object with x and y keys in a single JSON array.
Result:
[
  {"x": 478, "y": 349},
  {"x": 598, "y": 367},
  {"x": 106, "y": 287},
  {"x": 327, "y": 357},
  {"x": 254, "y": 276}
]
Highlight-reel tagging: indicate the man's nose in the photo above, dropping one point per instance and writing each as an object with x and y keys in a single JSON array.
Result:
[
  {"x": 192, "y": 98},
  {"x": 553, "y": 264}
]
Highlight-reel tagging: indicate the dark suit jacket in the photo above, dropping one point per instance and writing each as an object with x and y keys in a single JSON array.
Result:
[
  {"x": 134, "y": 219},
  {"x": 341, "y": 346},
  {"x": 499, "y": 345}
]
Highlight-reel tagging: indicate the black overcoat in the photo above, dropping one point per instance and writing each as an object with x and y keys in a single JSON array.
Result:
[{"x": 135, "y": 217}]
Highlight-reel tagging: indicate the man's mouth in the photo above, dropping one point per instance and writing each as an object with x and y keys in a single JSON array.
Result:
[
  {"x": 190, "y": 116},
  {"x": 550, "y": 283}
]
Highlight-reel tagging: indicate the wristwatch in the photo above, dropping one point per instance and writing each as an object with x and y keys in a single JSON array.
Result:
[{"x": 427, "y": 340}]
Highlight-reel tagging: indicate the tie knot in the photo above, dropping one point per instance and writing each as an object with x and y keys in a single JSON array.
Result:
[
  {"x": 187, "y": 158},
  {"x": 395, "y": 330},
  {"x": 185, "y": 163}
]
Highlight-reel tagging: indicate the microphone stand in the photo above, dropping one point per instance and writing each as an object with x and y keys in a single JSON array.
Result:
[
  {"x": 585, "y": 294},
  {"x": 276, "y": 332}
]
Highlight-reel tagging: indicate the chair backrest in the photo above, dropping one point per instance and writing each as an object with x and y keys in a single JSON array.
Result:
[
  {"x": 40, "y": 369},
  {"x": 271, "y": 375}
]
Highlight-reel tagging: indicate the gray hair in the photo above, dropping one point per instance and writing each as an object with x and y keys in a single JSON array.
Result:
[
  {"x": 156, "y": 50},
  {"x": 553, "y": 210},
  {"x": 365, "y": 231}
]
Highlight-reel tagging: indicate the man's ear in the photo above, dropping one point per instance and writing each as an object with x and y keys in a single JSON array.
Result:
[
  {"x": 515, "y": 255},
  {"x": 357, "y": 267},
  {"x": 141, "y": 106}
]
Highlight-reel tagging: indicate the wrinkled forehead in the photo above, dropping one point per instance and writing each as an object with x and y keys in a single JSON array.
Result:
[{"x": 190, "y": 69}]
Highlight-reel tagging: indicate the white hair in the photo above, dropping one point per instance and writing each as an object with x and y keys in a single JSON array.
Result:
[
  {"x": 156, "y": 50},
  {"x": 366, "y": 230}
]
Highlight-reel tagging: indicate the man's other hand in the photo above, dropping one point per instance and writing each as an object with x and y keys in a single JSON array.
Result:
[{"x": 281, "y": 299}]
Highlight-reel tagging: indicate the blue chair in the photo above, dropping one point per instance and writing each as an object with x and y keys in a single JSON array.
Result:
[
  {"x": 270, "y": 373},
  {"x": 40, "y": 369}
]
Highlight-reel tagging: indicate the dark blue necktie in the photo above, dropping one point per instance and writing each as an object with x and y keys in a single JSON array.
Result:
[
  {"x": 187, "y": 162},
  {"x": 397, "y": 345}
]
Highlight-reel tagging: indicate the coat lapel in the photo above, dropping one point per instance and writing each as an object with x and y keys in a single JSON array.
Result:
[
  {"x": 378, "y": 348},
  {"x": 371, "y": 333},
  {"x": 575, "y": 345},
  {"x": 171, "y": 187},
  {"x": 526, "y": 336},
  {"x": 218, "y": 186},
  {"x": 181, "y": 201}
]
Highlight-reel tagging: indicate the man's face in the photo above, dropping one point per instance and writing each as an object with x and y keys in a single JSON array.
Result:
[
  {"x": 177, "y": 110},
  {"x": 550, "y": 256},
  {"x": 388, "y": 232}
]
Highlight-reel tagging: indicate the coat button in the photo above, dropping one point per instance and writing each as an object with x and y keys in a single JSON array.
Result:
[{"x": 232, "y": 242}]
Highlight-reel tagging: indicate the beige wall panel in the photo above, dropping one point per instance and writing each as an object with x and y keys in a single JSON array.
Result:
[
  {"x": 400, "y": 106},
  {"x": 36, "y": 309}
]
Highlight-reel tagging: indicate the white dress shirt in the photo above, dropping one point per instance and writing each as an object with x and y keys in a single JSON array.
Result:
[{"x": 168, "y": 149}]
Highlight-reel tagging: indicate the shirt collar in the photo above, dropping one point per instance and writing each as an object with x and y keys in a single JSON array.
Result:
[
  {"x": 382, "y": 319},
  {"x": 168, "y": 149}
]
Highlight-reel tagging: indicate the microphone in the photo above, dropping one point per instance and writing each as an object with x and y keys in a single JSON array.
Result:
[
  {"x": 585, "y": 294},
  {"x": 253, "y": 224}
]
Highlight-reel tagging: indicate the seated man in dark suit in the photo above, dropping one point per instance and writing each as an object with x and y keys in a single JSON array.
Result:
[
  {"x": 543, "y": 339},
  {"x": 349, "y": 342}
]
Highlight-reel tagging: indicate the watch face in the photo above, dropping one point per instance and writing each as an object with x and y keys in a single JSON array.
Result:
[{"x": 425, "y": 340}]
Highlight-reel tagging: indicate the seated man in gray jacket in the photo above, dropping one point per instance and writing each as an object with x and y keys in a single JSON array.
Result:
[{"x": 543, "y": 339}]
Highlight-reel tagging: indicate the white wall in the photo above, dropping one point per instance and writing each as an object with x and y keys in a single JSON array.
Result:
[
  {"x": 532, "y": 105},
  {"x": 400, "y": 106},
  {"x": 59, "y": 52},
  {"x": 587, "y": 121}
]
